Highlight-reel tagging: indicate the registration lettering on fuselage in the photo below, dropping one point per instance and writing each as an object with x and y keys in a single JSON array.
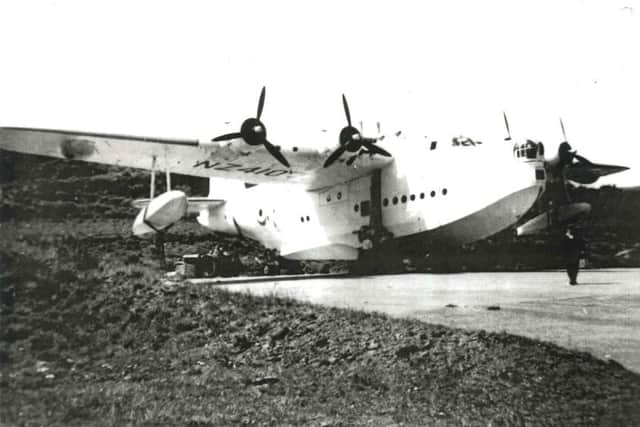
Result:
[
  {"x": 464, "y": 142},
  {"x": 238, "y": 167}
]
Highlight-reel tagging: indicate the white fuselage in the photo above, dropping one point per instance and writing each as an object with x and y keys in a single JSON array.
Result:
[{"x": 448, "y": 195}]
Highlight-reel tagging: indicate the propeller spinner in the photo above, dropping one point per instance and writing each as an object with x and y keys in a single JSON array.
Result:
[
  {"x": 352, "y": 140},
  {"x": 254, "y": 132}
]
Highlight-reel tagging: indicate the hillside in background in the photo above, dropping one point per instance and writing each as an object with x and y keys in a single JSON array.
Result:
[{"x": 90, "y": 201}]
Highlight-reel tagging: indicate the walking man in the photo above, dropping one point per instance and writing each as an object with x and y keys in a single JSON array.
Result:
[{"x": 573, "y": 246}]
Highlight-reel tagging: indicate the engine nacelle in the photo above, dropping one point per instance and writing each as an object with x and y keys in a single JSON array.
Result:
[{"x": 160, "y": 212}]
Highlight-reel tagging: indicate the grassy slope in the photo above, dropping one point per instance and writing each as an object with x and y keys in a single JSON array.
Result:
[{"x": 90, "y": 335}]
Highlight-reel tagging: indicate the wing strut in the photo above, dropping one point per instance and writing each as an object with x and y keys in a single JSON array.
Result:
[
  {"x": 152, "y": 191},
  {"x": 159, "y": 238},
  {"x": 167, "y": 171}
]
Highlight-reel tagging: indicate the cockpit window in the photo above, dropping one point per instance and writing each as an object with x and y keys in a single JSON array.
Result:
[{"x": 529, "y": 150}]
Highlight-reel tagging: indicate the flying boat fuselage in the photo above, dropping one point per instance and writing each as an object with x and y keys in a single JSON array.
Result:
[{"x": 451, "y": 194}]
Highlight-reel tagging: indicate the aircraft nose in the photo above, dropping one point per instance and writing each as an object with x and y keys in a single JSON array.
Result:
[
  {"x": 523, "y": 188},
  {"x": 527, "y": 174},
  {"x": 517, "y": 176},
  {"x": 529, "y": 177}
]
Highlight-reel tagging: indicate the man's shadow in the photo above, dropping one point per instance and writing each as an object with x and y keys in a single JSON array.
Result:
[{"x": 597, "y": 283}]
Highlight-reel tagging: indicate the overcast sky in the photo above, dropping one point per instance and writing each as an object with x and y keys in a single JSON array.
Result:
[{"x": 439, "y": 69}]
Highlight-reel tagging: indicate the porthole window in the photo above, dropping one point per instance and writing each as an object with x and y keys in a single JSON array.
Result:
[
  {"x": 260, "y": 212},
  {"x": 356, "y": 208},
  {"x": 433, "y": 194},
  {"x": 395, "y": 200},
  {"x": 301, "y": 219},
  {"x": 385, "y": 202},
  {"x": 404, "y": 199},
  {"x": 308, "y": 218},
  {"x": 339, "y": 195},
  {"x": 422, "y": 195},
  {"x": 413, "y": 197},
  {"x": 444, "y": 191}
]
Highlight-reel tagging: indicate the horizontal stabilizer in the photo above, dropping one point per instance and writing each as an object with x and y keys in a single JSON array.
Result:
[
  {"x": 588, "y": 173},
  {"x": 549, "y": 218}
]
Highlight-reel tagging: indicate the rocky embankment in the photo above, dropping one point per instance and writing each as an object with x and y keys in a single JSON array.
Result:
[{"x": 91, "y": 335}]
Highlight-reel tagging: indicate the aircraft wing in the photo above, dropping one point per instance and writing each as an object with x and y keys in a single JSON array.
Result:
[
  {"x": 234, "y": 159},
  {"x": 585, "y": 172}
]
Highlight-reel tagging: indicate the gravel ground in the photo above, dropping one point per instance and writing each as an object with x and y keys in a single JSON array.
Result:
[{"x": 91, "y": 335}]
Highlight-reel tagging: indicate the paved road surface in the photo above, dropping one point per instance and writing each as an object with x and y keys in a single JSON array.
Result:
[{"x": 601, "y": 315}]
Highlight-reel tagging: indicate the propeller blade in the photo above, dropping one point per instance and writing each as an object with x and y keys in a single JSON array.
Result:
[
  {"x": 227, "y": 137},
  {"x": 261, "y": 102},
  {"x": 564, "y": 135},
  {"x": 506, "y": 123},
  {"x": 334, "y": 156},
  {"x": 346, "y": 109},
  {"x": 275, "y": 152},
  {"x": 378, "y": 150}
]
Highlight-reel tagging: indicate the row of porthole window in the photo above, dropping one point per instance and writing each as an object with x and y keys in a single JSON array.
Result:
[
  {"x": 403, "y": 199},
  {"x": 412, "y": 197},
  {"x": 302, "y": 218},
  {"x": 338, "y": 196}
]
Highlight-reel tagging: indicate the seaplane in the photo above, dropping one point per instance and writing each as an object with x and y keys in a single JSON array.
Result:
[{"x": 386, "y": 193}]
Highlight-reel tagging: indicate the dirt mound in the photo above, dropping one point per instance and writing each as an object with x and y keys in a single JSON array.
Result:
[{"x": 90, "y": 336}]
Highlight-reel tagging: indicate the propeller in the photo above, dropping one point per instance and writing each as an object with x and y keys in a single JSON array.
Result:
[
  {"x": 564, "y": 134},
  {"x": 506, "y": 123},
  {"x": 575, "y": 152},
  {"x": 254, "y": 132},
  {"x": 380, "y": 135},
  {"x": 352, "y": 140},
  {"x": 564, "y": 150}
]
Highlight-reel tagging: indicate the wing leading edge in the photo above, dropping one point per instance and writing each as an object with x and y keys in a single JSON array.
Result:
[{"x": 232, "y": 159}]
